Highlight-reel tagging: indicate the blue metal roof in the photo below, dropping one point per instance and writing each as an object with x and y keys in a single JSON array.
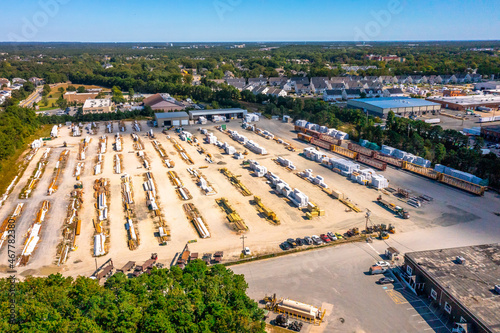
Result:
[{"x": 395, "y": 102}]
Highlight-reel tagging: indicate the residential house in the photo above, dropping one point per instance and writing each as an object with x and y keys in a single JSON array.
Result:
[
  {"x": 393, "y": 92},
  {"x": 238, "y": 83},
  {"x": 374, "y": 91},
  {"x": 372, "y": 79},
  {"x": 36, "y": 81},
  {"x": 301, "y": 85},
  {"x": 276, "y": 92},
  {"x": 5, "y": 82},
  {"x": 18, "y": 80},
  {"x": 107, "y": 66},
  {"x": 449, "y": 79},
  {"x": 435, "y": 79},
  {"x": 260, "y": 90},
  {"x": 320, "y": 84},
  {"x": 417, "y": 79},
  {"x": 338, "y": 79},
  {"x": 259, "y": 81},
  {"x": 332, "y": 95},
  {"x": 387, "y": 79},
  {"x": 228, "y": 74},
  {"x": 403, "y": 79},
  {"x": 303, "y": 88},
  {"x": 339, "y": 86},
  {"x": 352, "y": 93},
  {"x": 463, "y": 78},
  {"x": 275, "y": 81},
  {"x": 362, "y": 84}
]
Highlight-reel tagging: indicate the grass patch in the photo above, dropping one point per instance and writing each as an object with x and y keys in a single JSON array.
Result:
[{"x": 14, "y": 165}]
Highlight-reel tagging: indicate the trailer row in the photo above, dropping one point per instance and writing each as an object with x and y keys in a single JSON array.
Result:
[
  {"x": 71, "y": 228},
  {"x": 60, "y": 166},
  {"x": 33, "y": 235},
  {"x": 36, "y": 176}
]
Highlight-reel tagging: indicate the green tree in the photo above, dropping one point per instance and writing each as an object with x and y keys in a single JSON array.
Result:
[
  {"x": 80, "y": 89},
  {"x": 439, "y": 152}
]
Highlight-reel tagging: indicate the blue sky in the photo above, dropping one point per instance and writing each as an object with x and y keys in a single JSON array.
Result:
[{"x": 248, "y": 20}]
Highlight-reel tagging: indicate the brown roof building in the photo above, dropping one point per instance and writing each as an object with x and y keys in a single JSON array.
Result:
[
  {"x": 73, "y": 96},
  {"x": 163, "y": 102}
]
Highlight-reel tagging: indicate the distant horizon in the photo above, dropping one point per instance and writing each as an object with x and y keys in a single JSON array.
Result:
[
  {"x": 253, "y": 42},
  {"x": 222, "y": 21}
]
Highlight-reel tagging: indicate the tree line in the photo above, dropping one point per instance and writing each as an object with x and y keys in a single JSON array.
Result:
[{"x": 197, "y": 299}]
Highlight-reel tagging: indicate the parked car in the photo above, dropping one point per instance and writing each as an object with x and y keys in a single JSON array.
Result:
[
  {"x": 383, "y": 264},
  {"x": 299, "y": 241},
  {"x": 339, "y": 236},
  {"x": 285, "y": 246},
  {"x": 316, "y": 240},
  {"x": 292, "y": 242},
  {"x": 325, "y": 238},
  {"x": 246, "y": 251},
  {"x": 386, "y": 280},
  {"x": 308, "y": 240},
  {"x": 332, "y": 236}
]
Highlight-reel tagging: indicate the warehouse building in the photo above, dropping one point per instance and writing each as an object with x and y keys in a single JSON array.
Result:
[
  {"x": 168, "y": 119},
  {"x": 491, "y": 133},
  {"x": 211, "y": 114},
  {"x": 403, "y": 106},
  {"x": 462, "y": 103},
  {"x": 463, "y": 283}
]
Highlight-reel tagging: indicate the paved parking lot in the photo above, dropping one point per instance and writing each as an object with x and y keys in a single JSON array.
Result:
[{"x": 337, "y": 279}]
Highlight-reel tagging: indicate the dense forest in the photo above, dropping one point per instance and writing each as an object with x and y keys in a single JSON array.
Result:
[
  {"x": 16, "y": 124},
  {"x": 197, "y": 299}
]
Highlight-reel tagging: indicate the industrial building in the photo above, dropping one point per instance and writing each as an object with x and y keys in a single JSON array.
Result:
[
  {"x": 210, "y": 114},
  {"x": 403, "y": 106},
  {"x": 490, "y": 85},
  {"x": 172, "y": 118},
  {"x": 462, "y": 282},
  {"x": 97, "y": 106},
  {"x": 462, "y": 103},
  {"x": 491, "y": 132}
]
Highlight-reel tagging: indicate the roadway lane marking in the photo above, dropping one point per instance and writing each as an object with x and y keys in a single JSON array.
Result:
[
  {"x": 421, "y": 314},
  {"x": 433, "y": 328},
  {"x": 417, "y": 307}
]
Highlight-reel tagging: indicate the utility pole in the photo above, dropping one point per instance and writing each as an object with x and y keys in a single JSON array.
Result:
[
  {"x": 243, "y": 238},
  {"x": 367, "y": 216}
]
